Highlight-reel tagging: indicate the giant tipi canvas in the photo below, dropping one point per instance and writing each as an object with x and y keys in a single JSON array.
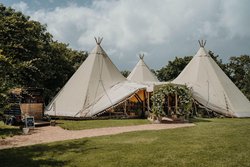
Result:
[
  {"x": 141, "y": 73},
  {"x": 94, "y": 87},
  {"x": 211, "y": 87}
]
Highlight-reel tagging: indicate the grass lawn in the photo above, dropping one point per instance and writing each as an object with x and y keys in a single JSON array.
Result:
[
  {"x": 90, "y": 124},
  {"x": 215, "y": 142},
  {"x": 7, "y": 130}
]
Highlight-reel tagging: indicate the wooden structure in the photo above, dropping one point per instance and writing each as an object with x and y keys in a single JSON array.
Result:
[
  {"x": 32, "y": 103},
  {"x": 24, "y": 103},
  {"x": 32, "y": 109}
]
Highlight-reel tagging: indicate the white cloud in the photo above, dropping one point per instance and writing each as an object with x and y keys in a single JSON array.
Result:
[
  {"x": 21, "y": 6},
  {"x": 162, "y": 29}
]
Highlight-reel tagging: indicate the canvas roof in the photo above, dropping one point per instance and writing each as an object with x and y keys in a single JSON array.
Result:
[
  {"x": 117, "y": 94},
  {"x": 211, "y": 87},
  {"x": 95, "y": 86},
  {"x": 142, "y": 73}
]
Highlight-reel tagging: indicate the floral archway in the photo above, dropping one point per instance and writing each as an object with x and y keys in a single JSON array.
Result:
[{"x": 172, "y": 100}]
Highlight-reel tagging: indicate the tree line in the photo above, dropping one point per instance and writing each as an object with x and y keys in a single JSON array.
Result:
[{"x": 29, "y": 57}]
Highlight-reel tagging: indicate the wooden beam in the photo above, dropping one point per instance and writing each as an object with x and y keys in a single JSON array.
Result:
[
  {"x": 169, "y": 106},
  {"x": 176, "y": 103},
  {"x": 125, "y": 108}
]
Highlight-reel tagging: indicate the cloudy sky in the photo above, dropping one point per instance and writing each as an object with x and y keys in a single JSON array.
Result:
[{"x": 161, "y": 29}]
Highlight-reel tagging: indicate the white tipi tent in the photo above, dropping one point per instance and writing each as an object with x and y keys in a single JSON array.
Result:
[
  {"x": 141, "y": 73},
  {"x": 94, "y": 87},
  {"x": 211, "y": 86}
]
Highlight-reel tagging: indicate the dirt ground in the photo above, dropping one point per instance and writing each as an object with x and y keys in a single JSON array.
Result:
[{"x": 55, "y": 133}]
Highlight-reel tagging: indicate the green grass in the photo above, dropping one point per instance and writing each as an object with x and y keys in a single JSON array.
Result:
[
  {"x": 215, "y": 142},
  {"x": 91, "y": 124},
  {"x": 7, "y": 130}
]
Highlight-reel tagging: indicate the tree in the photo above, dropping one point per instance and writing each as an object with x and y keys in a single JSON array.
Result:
[
  {"x": 29, "y": 57},
  {"x": 4, "y": 86},
  {"x": 23, "y": 42},
  {"x": 239, "y": 72},
  {"x": 173, "y": 68}
]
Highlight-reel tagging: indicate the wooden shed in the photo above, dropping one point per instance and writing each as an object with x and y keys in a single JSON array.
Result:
[{"x": 32, "y": 103}]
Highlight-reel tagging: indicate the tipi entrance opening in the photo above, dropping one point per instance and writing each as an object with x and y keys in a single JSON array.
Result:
[
  {"x": 171, "y": 101},
  {"x": 134, "y": 106}
]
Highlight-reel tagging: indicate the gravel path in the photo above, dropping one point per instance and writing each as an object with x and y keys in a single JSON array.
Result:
[{"x": 55, "y": 133}]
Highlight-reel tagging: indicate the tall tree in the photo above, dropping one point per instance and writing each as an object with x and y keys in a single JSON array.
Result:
[
  {"x": 29, "y": 57},
  {"x": 23, "y": 42}
]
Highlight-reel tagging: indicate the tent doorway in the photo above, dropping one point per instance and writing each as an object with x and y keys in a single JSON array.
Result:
[
  {"x": 133, "y": 107},
  {"x": 172, "y": 101}
]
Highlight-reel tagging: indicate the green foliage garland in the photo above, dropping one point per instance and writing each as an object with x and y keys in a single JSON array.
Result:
[{"x": 185, "y": 99}]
